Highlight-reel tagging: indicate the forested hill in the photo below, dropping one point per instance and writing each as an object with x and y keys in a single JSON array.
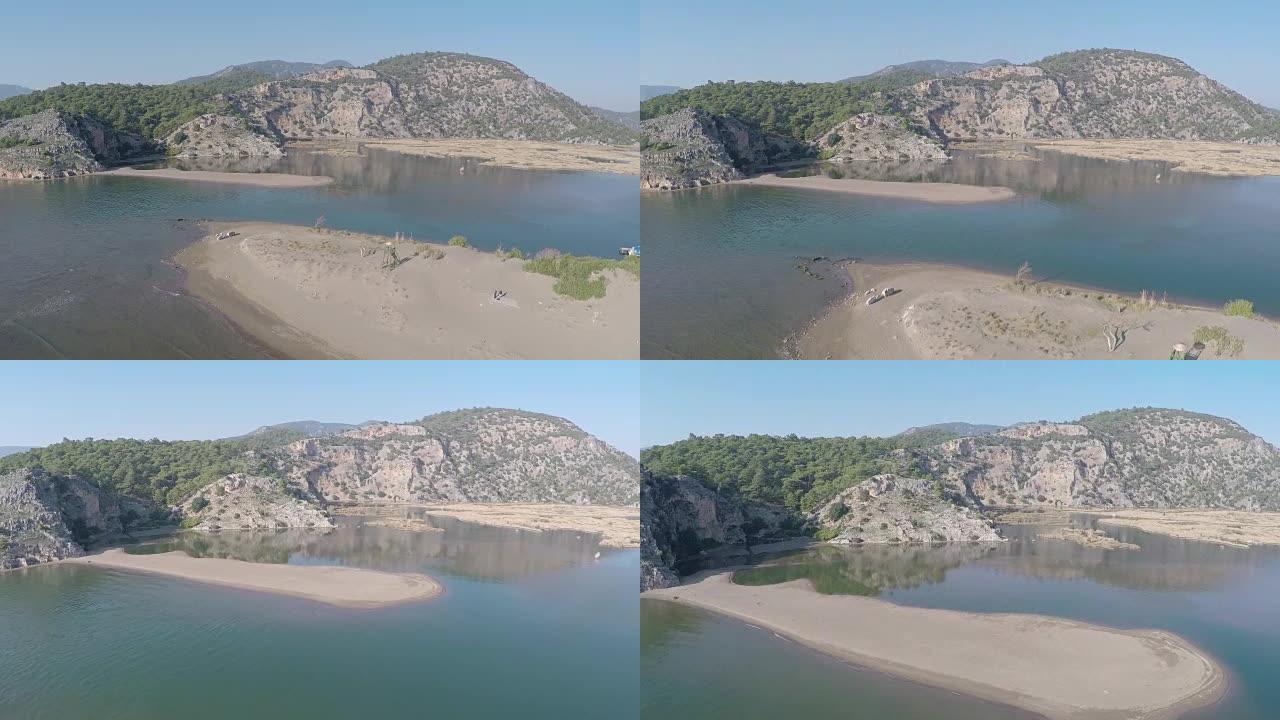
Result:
[
  {"x": 1143, "y": 457},
  {"x": 1101, "y": 93}
]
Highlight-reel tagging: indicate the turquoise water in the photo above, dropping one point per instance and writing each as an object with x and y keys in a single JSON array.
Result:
[
  {"x": 1222, "y": 599},
  {"x": 86, "y": 271},
  {"x": 721, "y": 281},
  {"x": 530, "y": 625}
]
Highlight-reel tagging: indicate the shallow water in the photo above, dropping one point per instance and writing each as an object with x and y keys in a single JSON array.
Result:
[
  {"x": 530, "y": 625},
  {"x": 721, "y": 280},
  {"x": 86, "y": 271},
  {"x": 1222, "y": 599}
]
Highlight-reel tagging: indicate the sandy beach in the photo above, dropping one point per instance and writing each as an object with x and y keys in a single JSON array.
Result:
[
  {"x": 524, "y": 154},
  {"x": 943, "y": 193},
  {"x": 1060, "y": 668},
  {"x": 265, "y": 180},
  {"x": 342, "y": 586},
  {"x": 618, "y": 527},
  {"x": 946, "y": 312},
  {"x": 310, "y": 293}
]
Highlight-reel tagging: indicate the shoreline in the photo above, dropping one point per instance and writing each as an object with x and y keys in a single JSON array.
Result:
[
  {"x": 946, "y": 311},
  {"x": 264, "y": 180},
  {"x": 617, "y": 526},
  {"x": 308, "y": 293},
  {"x": 937, "y": 193},
  {"x": 333, "y": 585},
  {"x": 516, "y": 154},
  {"x": 1151, "y": 674}
]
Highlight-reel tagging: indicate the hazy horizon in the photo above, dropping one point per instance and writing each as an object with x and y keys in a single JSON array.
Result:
[
  {"x": 207, "y": 400},
  {"x": 1229, "y": 42},
  {"x": 583, "y": 49}
]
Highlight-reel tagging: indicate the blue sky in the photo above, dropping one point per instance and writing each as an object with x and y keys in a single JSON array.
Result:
[
  {"x": 46, "y": 401},
  {"x": 689, "y": 43},
  {"x": 883, "y": 398},
  {"x": 585, "y": 48}
]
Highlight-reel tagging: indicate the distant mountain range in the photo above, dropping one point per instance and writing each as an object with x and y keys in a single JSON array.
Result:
[
  {"x": 263, "y": 70},
  {"x": 8, "y": 91},
  {"x": 949, "y": 430},
  {"x": 12, "y": 449},
  {"x": 648, "y": 92},
  {"x": 930, "y": 68},
  {"x": 626, "y": 119}
]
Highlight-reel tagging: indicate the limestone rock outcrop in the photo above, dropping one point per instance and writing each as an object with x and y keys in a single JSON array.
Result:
[
  {"x": 872, "y": 137},
  {"x": 220, "y": 136},
  {"x": 893, "y": 509}
]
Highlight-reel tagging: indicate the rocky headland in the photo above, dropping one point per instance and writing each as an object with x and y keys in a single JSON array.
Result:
[{"x": 52, "y": 144}]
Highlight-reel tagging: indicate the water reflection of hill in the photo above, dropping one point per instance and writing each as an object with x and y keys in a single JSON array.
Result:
[
  {"x": 866, "y": 570},
  {"x": 1050, "y": 174},
  {"x": 476, "y": 551},
  {"x": 1162, "y": 564}
]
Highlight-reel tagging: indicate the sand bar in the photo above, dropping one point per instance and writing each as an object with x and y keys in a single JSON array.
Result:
[
  {"x": 522, "y": 154},
  {"x": 618, "y": 527},
  {"x": 948, "y": 312},
  {"x": 266, "y": 180},
  {"x": 1234, "y": 528},
  {"x": 343, "y": 586},
  {"x": 943, "y": 193},
  {"x": 309, "y": 293},
  {"x": 1212, "y": 158},
  {"x": 1060, "y": 668}
]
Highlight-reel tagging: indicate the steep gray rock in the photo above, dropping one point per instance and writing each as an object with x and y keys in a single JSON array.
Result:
[
  {"x": 1146, "y": 457},
  {"x": 482, "y": 455},
  {"x": 682, "y": 520},
  {"x": 426, "y": 95},
  {"x": 46, "y": 517},
  {"x": 220, "y": 136},
  {"x": 892, "y": 509},
  {"x": 1088, "y": 94},
  {"x": 246, "y": 502},
  {"x": 872, "y": 137},
  {"x": 50, "y": 144},
  {"x": 691, "y": 148}
]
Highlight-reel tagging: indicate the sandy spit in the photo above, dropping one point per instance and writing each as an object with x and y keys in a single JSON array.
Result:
[
  {"x": 618, "y": 527},
  {"x": 1234, "y": 528},
  {"x": 1212, "y": 158},
  {"x": 943, "y": 193},
  {"x": 266, "y": 180},
  {"x": 522, "y": 154},
  {"x": 342, "y": 586},
  {"x": 948, "y": 312},
  {"x": 1059, "y": 668},
  {"x": 310, "y": 293}
]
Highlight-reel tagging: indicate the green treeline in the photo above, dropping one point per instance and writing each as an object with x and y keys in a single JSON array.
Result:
[
  {"x": 150, "y": 111},
  {"x": 164, "y": 472},
  {"x": 800, "y": 473},
  {"x": 802, "y": 111}
]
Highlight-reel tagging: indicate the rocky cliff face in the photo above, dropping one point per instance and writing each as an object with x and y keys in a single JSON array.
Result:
[
  {"x": 871, "y": 137},
  {"x": 1088, "y": 94},
  {"x": 51, "y": 144},
  {"x": 220, "y": 136},
  {"x": 245, "y": 502},
  {"x": 427, "y": 95},
  {"x": 47, "y": 517},
  {"x": 691, "y": 148},
  {"x": 486, "y": 455},
  {"x": 1128, "y": 458},
  {"x": 681, "y": 519},
  {"x": 892, "y": 509}
]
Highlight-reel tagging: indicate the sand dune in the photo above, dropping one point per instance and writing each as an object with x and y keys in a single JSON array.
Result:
[
  {"x": 1060, "y": 668},
  {"x": 343, "y": 586},
  {"x": 943, "y": 193},
  {"x": 267, "y": 180},
  {"x": 947, "y": 312},
  {"x": 310, "y": 293}
]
